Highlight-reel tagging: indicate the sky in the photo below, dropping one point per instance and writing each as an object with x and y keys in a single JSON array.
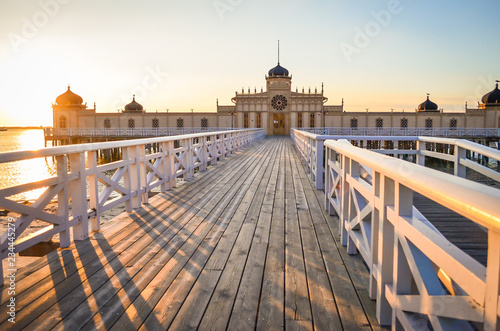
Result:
[{"x": 183, "y": 55}]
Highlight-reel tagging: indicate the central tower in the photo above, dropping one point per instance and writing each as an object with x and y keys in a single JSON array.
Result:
[{"x": 279, "y": 85}]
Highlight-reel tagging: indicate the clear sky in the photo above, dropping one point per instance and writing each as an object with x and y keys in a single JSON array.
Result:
[{"x": 183, "y": 55}]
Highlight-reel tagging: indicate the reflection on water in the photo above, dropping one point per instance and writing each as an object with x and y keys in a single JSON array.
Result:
[{"x": 20, "y": 172}]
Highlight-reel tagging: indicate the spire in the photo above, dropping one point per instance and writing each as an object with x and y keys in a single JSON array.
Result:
[
  {"x": 428, "y": 96},
  {"x": 133, "y": 97},
  {"x": 278, "y": 52}
]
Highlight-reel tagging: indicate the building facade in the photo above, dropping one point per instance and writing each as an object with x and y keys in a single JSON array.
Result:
[{"x": 277, "y": 110}]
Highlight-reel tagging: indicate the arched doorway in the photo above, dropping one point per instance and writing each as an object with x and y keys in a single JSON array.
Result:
[{"x": 279, "y": 123}]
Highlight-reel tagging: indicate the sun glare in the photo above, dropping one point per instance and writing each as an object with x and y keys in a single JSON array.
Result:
[{"x": 36, "y": 80}]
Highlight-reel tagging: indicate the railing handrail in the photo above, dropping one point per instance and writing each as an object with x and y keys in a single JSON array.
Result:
[
  {"x": 412, "y": 131},
  {"x": 473, "y": 200},
  {"x": 310, "y": 147},
  {"x": 466, "y": 144},
  {"x": 80, "y": 148},
  {"x": 48, "y": 132}
]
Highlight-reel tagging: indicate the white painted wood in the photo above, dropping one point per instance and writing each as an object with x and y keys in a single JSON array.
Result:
[
  {"x": 63, "y": 200},
  {"x": 407, "y": 256},
  {"x": 95, "y": 222},
  {"x": 78, "y": 194}
]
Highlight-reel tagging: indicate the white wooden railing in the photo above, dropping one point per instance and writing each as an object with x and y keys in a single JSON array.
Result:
[
  {"x": 432, "y": 132},
  {"x": 310, "y": 148},
  {"x": 125, "y": 132},
  {"x": 416, "y": 275},
  {"x": 132, "y": 178}
]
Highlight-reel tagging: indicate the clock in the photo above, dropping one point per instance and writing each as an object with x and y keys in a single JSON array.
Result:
[{"x": 279, "y": 102}]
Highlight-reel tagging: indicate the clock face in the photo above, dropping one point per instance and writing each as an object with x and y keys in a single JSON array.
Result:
[{"x": 279, "y": 102}]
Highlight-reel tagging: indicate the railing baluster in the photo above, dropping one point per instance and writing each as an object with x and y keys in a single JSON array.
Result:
[
  {"x": 78, "y": 193},
  {"x": 95, "y": 222},
  {"x": 63, "y": 200}
]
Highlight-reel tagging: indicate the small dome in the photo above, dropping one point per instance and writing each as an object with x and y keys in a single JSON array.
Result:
[
  {"x": 492, "y": 97},
  {"x": 69, "y": 98},
  {"x": 427, "y": 105},
  {"x": 278, "y": 71},
  {"x": 133, "y": 106}
]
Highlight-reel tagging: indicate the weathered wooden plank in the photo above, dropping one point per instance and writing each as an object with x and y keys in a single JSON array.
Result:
[
  {"x": 272, "y": 302},
  {"x": 166, "y": 309},
  {"x": 297, "y": 301},
  {"x": 246, "y": 305},
  {"x": 74, "y": 280},
  {"x": 354, "y": 266},
  {"x": 218, "y": 311},
  {"x": 193, "y": 308},
  {"x": 119, "y": 306}
]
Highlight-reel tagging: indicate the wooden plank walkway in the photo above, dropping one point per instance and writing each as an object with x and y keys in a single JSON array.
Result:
[{"x": 245, "y": 245}]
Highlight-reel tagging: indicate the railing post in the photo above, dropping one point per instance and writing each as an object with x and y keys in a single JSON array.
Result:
[
  {"x": 319, "y": 164},
  {"x": 95, "y": 222},
  {"x": 420, "y": 148},
  {"x": 63, "y": 199},
  {"x": 189, "y": 158},
  {"x": 402, "y": 275},
  {"x": 492, "y": 304},
  {"x": 132, "y": 178},
  {"x": 143, "y": 183},
  {"x": 78, "y": 193},
  {"x": 354, "y": 174},
  {"x": 344, "y": 200},
  {"x": 213, "y": 149},
  {"x": 170, "y": 164},
  {"x": 459, "y": 169},
  {"x": 385, "y": 251}
]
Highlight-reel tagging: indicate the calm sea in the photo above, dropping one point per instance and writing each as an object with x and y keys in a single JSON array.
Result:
[{"x": 19, "y": 172}]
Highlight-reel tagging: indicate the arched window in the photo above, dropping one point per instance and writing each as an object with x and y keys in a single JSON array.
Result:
[
  {"x": 156, "y": 123},
  {"x": 62, "y": 121},
  {"x": 311, "y": 120},
  {"x": 379, "y": 123},
  {"x": 180, "y": 123},
  {"x": 299, "y": 120},
  {"x": 131, "y": 123},
  {"x": 259, "y": 120},
  {"x": 404, "y": 123},
  {"x": 453, "y": 123},
  {"x": 107, "y": 123},
  {"x": 245, "y": 120},
  {"x": 428, "y": 123},
  {"x": 204, "y": 123},
  {"x": 354, "y": 123}
]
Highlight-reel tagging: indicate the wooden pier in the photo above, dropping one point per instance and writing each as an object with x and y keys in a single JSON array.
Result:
[{"x": 246, "y": 244}]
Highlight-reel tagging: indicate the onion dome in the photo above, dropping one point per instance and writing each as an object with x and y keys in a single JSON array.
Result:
[
  {"x": 69, "y": 98},
  {"x": 133, "y": 106},
  {"x": 278, "y": 71},
  {"x": 492, "y": 97},
  {"x": 427, "y": 105}
]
